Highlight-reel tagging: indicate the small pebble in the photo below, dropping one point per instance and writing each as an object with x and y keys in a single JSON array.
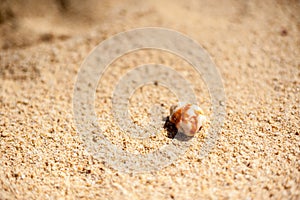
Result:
[{"x": 5, "y": 134}]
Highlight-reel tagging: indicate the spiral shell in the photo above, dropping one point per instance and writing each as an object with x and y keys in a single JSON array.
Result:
[{"x": 188, "y": 118}]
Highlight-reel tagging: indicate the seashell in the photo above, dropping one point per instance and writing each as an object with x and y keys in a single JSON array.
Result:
[{"x": 188, "y": 118}]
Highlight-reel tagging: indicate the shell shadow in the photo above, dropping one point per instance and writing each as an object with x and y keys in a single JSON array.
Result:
[{"x": 172, "y": 131}]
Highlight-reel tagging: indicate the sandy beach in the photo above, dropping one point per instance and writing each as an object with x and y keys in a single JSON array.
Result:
[{"x": 255, "y": 46}]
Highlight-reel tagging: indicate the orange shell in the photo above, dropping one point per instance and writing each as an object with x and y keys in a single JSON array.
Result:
[{"x": 187, "y": 118}]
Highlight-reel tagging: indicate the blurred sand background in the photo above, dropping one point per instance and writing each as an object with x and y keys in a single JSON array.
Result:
[{"x": 256, "y": 47}]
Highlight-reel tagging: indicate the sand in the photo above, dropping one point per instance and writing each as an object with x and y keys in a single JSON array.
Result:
[{"x": 255, "y": 46}]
